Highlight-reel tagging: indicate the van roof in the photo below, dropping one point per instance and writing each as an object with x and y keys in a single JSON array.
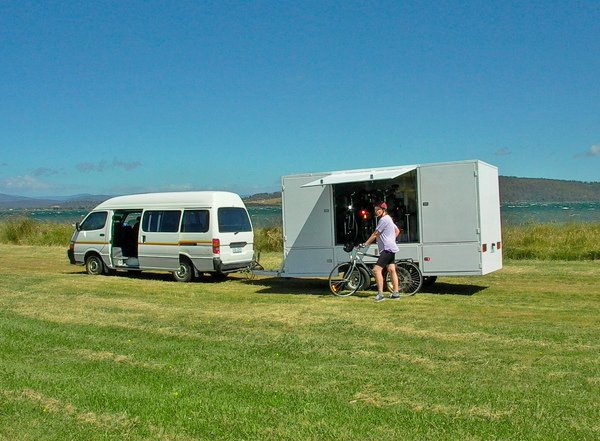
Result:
[{"x": 192, "y": 199}]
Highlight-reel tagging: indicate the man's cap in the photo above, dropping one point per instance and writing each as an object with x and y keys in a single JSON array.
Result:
[{"x": 382, "y": 205}]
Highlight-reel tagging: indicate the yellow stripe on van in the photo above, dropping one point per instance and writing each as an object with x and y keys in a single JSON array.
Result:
[
  {"x": 195, "y": 242},
  {"x": 159, "y": 243},
  {"x": 90, "y": 243}
]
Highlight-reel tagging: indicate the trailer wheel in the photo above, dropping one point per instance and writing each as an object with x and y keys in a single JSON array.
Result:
[
  {"x": 94, "y": 265},
  {"x": 185, "y": 272},
  {"x": 429, "y": 280},
  {"x": 410, "y": 278}
]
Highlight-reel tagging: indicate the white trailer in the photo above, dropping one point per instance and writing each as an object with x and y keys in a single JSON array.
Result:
[{"x": 449, "y": 214}]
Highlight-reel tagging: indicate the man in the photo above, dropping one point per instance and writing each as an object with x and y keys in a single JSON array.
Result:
[{"x": 385, "y": 234}]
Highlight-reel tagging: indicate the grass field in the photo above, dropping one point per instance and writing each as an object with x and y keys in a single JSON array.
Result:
[{"x": 509, "y": 356}]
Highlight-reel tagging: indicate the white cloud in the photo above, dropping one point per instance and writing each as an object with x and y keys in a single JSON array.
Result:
[
  {"x": 594, "y": 150},
  {"x": 24, "y": 183},
  {"x": 44, "y": 171},
  {"x": 127, "y": 165},
  {"x": 87, "y": 167}
]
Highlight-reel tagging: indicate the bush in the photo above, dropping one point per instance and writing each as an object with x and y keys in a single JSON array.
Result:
[
  {"x": 16, "y": 230},
  {"x": 26, "y": 231},
  {"x": 579, "y": 241},
  {"x": 552, "y": 241},
  {"x": 268, "y": 239}
]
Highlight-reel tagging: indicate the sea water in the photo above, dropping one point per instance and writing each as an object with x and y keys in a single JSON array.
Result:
[
  {"x": 263, "y": 216},
  {"x": 543, "y": 213},
  {"x": 267, "y": 216}
]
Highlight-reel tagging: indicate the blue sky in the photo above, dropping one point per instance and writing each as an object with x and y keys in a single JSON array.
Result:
[{"x": 113, "y": 97}]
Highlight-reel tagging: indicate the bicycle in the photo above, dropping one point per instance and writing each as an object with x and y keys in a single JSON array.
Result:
[{"x": 348, "y": 277}]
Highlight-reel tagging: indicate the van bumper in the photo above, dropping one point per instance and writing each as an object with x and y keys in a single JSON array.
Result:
[
  {"x": 221, "y": 267},
  {"x": 71, "y": 256}
]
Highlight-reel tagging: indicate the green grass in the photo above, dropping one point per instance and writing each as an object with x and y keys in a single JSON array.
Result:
[
  {"x": 576, "y": 241},
  {"x": 508, "y": 356}
]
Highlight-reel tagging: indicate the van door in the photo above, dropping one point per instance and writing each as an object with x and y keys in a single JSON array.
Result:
[
  {"x": 195, "y": 239},
  {"x": 236, "y": 238},
  {"x": 92, "y": 236},
  {"x": 158, "y": 246}
]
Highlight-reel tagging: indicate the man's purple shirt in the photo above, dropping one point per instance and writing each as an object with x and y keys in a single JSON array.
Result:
[{"x": 386, "y": 241}]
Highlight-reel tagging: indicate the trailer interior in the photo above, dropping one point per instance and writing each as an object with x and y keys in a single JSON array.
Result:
[{"x": 354, "y": 214}]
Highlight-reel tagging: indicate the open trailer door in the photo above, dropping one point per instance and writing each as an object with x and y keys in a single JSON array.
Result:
[{"x": 450, "y": 219}]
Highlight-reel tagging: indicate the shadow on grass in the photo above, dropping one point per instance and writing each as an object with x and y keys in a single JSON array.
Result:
[
  {"x": 162, "y": 276},
  {"x": 294, "y": 286},
  {"x": 441, "y": 288},
  {"x": 282, "y": 285},
  {"x": 320, "y": 287}
]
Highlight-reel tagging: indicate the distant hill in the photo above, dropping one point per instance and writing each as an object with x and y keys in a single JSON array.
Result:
[
  {"x": 9, "y": 201},
  {"x": 263, "y": 199},
  {"x": 512, "y": 190},
  {"x": 76, "y": 201}
]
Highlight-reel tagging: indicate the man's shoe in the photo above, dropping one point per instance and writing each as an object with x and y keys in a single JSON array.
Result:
[
  {"x": 395, "y": 296},
  {"x": 379, "y": 298}
]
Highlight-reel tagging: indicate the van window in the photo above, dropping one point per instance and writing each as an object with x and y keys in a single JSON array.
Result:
[
  {"x": 195, "y": 221},
  {"x": 95, "y": 221},
  {"x": 161, "y": 221},
  {"x": 233, "y": 220}
]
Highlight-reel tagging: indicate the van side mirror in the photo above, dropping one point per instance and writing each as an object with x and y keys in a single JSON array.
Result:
[{"x": 77, "y": 226}]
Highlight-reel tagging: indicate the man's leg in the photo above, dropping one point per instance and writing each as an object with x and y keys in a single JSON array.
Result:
[
  {"x": 394, "y": 275},
  {"x": 378, "y": 273}
]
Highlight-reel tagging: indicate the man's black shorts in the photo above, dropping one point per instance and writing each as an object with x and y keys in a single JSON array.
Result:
[{"x": 385, "y": 258}]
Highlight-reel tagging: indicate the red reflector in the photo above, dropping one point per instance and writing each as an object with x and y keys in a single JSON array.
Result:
[
  {"x": 484, "y": 247},
  {"x": 427, "y": 259},
  {"x": 498, "y": 245},
  {"x": 216, "y": 246}
]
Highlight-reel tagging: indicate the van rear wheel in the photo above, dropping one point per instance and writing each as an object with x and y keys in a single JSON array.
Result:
[
  {"x": 94, "y": 265},
  {"x": 185, "y": 272}
]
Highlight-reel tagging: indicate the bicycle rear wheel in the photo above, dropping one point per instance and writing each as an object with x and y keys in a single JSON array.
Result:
[
  {"x": 410, "y": 279},
  {"x": 345, "y": 280}
]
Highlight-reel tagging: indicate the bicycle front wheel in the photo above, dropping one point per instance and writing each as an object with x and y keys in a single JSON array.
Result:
[{"x": 345, "y": 280}]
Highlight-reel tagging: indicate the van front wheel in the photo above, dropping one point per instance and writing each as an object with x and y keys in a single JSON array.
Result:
[
  {"x": 184, "y": 273},
  {"x": 94, "y": 265}
]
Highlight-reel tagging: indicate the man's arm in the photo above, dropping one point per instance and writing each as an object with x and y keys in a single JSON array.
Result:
[{"x": 372, "y": 238}]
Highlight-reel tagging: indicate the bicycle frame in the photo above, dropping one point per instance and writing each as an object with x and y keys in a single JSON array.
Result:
[{"x": 357, "y": 274}]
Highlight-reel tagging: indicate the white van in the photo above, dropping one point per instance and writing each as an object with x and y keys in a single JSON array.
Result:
[{"x": 186, "y": 233}]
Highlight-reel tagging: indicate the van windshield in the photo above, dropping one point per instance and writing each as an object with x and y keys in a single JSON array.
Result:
[
  {"x": 233, "y": 220},
  {"x": 95, "y": 221}
]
